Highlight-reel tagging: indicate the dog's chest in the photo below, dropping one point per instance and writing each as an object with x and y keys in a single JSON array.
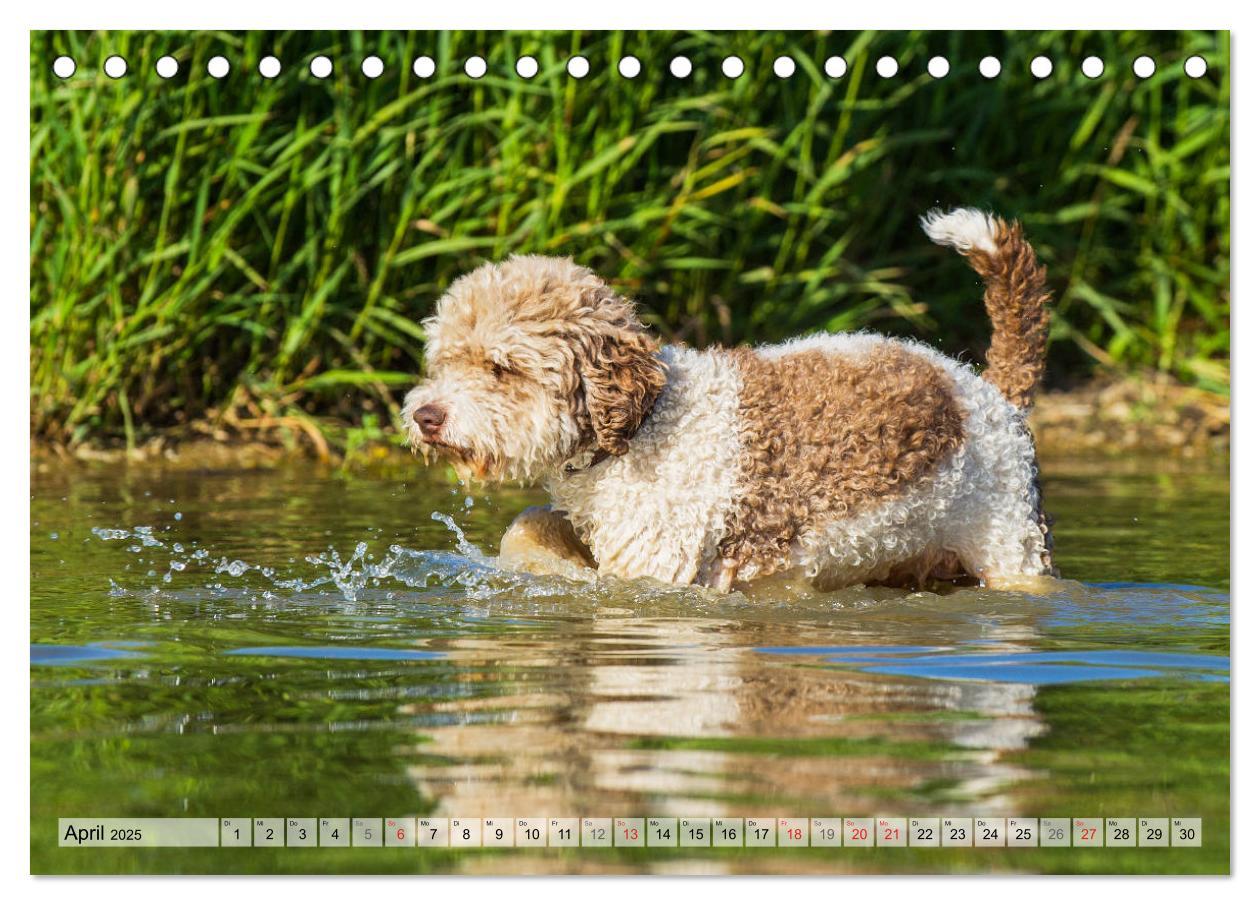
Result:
[{"x": 659, "y": 510}]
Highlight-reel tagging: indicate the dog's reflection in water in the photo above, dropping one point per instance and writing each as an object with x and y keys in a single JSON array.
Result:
[{"x": 654, "y": 715}]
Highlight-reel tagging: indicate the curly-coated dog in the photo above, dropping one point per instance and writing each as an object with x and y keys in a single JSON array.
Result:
[{"x": 850, "y": 458}]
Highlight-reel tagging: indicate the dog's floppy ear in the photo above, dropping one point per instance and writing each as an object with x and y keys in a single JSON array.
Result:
[{"x": 621, "y": 378}]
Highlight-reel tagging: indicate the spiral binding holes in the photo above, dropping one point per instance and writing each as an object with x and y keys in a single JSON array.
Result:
[{"x": 628, "y": 67}]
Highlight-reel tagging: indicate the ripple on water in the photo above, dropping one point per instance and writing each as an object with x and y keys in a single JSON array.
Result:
[
  {"x": 336, "y": 653},
  {"x": 74, "y": 655},
  {"x": 1020, "y": 666}
]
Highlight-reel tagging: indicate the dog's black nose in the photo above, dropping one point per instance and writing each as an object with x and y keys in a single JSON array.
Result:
[{"x": 430, "y": 418}]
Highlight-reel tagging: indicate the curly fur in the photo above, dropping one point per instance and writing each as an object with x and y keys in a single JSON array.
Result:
[
  {"x": 659, "y": 510},
  {"x": 845, "y": 458},
  {"x": 979, "y": 511},
  {"x": 533, "y": 361},
  {"x": 823, "y": 436}
]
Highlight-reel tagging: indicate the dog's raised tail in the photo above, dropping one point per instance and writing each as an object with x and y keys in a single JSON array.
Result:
[{"x": 1015, "y": 295}]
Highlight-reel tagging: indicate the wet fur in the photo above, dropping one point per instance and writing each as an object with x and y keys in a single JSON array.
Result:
[{"x": 822, "y": 436}]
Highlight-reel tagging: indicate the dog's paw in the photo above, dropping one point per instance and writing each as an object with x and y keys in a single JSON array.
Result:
[
  {"x": 542, "y": 542},
  {"x": 1040, "y": 585}
]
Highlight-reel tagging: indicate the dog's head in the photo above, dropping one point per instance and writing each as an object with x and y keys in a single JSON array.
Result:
[{"x": 529, "y": 363}]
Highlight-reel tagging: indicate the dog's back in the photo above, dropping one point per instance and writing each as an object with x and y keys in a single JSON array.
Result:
[
  {"x": 829, "y": 429},
  {"x": 869, "y": 459},
  {"x": 860, "y": 458}
]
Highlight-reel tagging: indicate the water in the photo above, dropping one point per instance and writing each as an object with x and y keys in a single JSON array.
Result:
[{"x": 301, "y": 643}]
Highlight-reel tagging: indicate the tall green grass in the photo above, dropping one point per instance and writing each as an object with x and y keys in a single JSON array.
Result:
[{"x": 250, "y": 251}]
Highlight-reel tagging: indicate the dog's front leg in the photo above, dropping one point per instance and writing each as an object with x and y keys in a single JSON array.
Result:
[
  {"x": 719, "y": 575},
  {"x": 541, "y": 540}
]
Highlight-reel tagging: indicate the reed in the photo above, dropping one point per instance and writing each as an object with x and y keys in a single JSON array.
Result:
[{"x": 219, "y": 255}]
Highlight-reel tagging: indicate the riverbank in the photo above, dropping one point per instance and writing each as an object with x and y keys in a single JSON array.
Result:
[{"x": 1107, "y": 417}]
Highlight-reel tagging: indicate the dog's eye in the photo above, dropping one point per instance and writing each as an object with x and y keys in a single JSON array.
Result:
[{"x": 498, "y": 371}]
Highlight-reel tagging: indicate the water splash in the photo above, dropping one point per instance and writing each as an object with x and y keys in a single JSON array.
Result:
[
  {"x": 461, "y": 542},
  {"x": 477, "y": 577},
  {"x": 236, "y": 568},
  {"x": 467, "y": 567},
  {"x": 466, "y": 574},
  {"x": 111, "y": 533}
]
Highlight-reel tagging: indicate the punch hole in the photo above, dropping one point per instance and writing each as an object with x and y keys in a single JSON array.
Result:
[
  {"x": 732, "y": 67},
  {"x": 680, "y": 67},
  {"x": 938, "y": 67},
  {"x": 423, "y": 67},
  {"x": 321, "y": 67},
  {"x": 1196, "y": 67},
  {"x": 64, "y": 67},
  {"x": 1092, "y": 67},
  {"x": 115, "y": 67},
  {"x": 372, "y": 67},
  {"x": 527, "y": 67},
  {"x": 629, "y": 67},
  {"x": 835, "y": 67},
  {"x": 1144, "y": 67},
  {"x": 166, "y": 67},
  {"x": 1041, "y": 67},
  {"x": 886, "y": 67},
  {"x": 990, "y": 67},
  {"x": 269, "y": 67},
  {"x": 784, "y": 67},
  {"x": 579, "y": 67},
  {"x": 218, "y": 67},
  {"x": 475, "y": 67}
]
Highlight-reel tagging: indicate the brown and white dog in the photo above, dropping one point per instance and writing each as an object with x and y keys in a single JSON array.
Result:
[{"x": 840, "y": 458}]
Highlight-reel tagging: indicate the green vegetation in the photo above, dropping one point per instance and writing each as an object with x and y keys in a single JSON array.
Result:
[{"x": 253, "y": 253}]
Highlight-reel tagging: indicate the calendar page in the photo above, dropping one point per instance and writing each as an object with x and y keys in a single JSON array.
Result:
[{"x": 724, "y": 452}]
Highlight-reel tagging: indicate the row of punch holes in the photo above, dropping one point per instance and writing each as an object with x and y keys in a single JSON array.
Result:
[{"x": 629, "y": 67}]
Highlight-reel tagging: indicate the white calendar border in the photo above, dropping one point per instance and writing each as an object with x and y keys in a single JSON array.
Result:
[
  {"x": 714, "y": 15},
  {"x": 566, "y": 15}
]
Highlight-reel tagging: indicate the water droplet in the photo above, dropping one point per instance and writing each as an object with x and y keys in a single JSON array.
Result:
[{"x": 236, "y": 568}]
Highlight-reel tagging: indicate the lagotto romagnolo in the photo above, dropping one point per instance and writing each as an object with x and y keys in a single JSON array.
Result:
[{"x": 843, "y": 459}]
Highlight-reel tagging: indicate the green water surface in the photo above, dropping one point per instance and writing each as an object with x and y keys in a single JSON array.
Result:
[{"x": 298, "y": 642}]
